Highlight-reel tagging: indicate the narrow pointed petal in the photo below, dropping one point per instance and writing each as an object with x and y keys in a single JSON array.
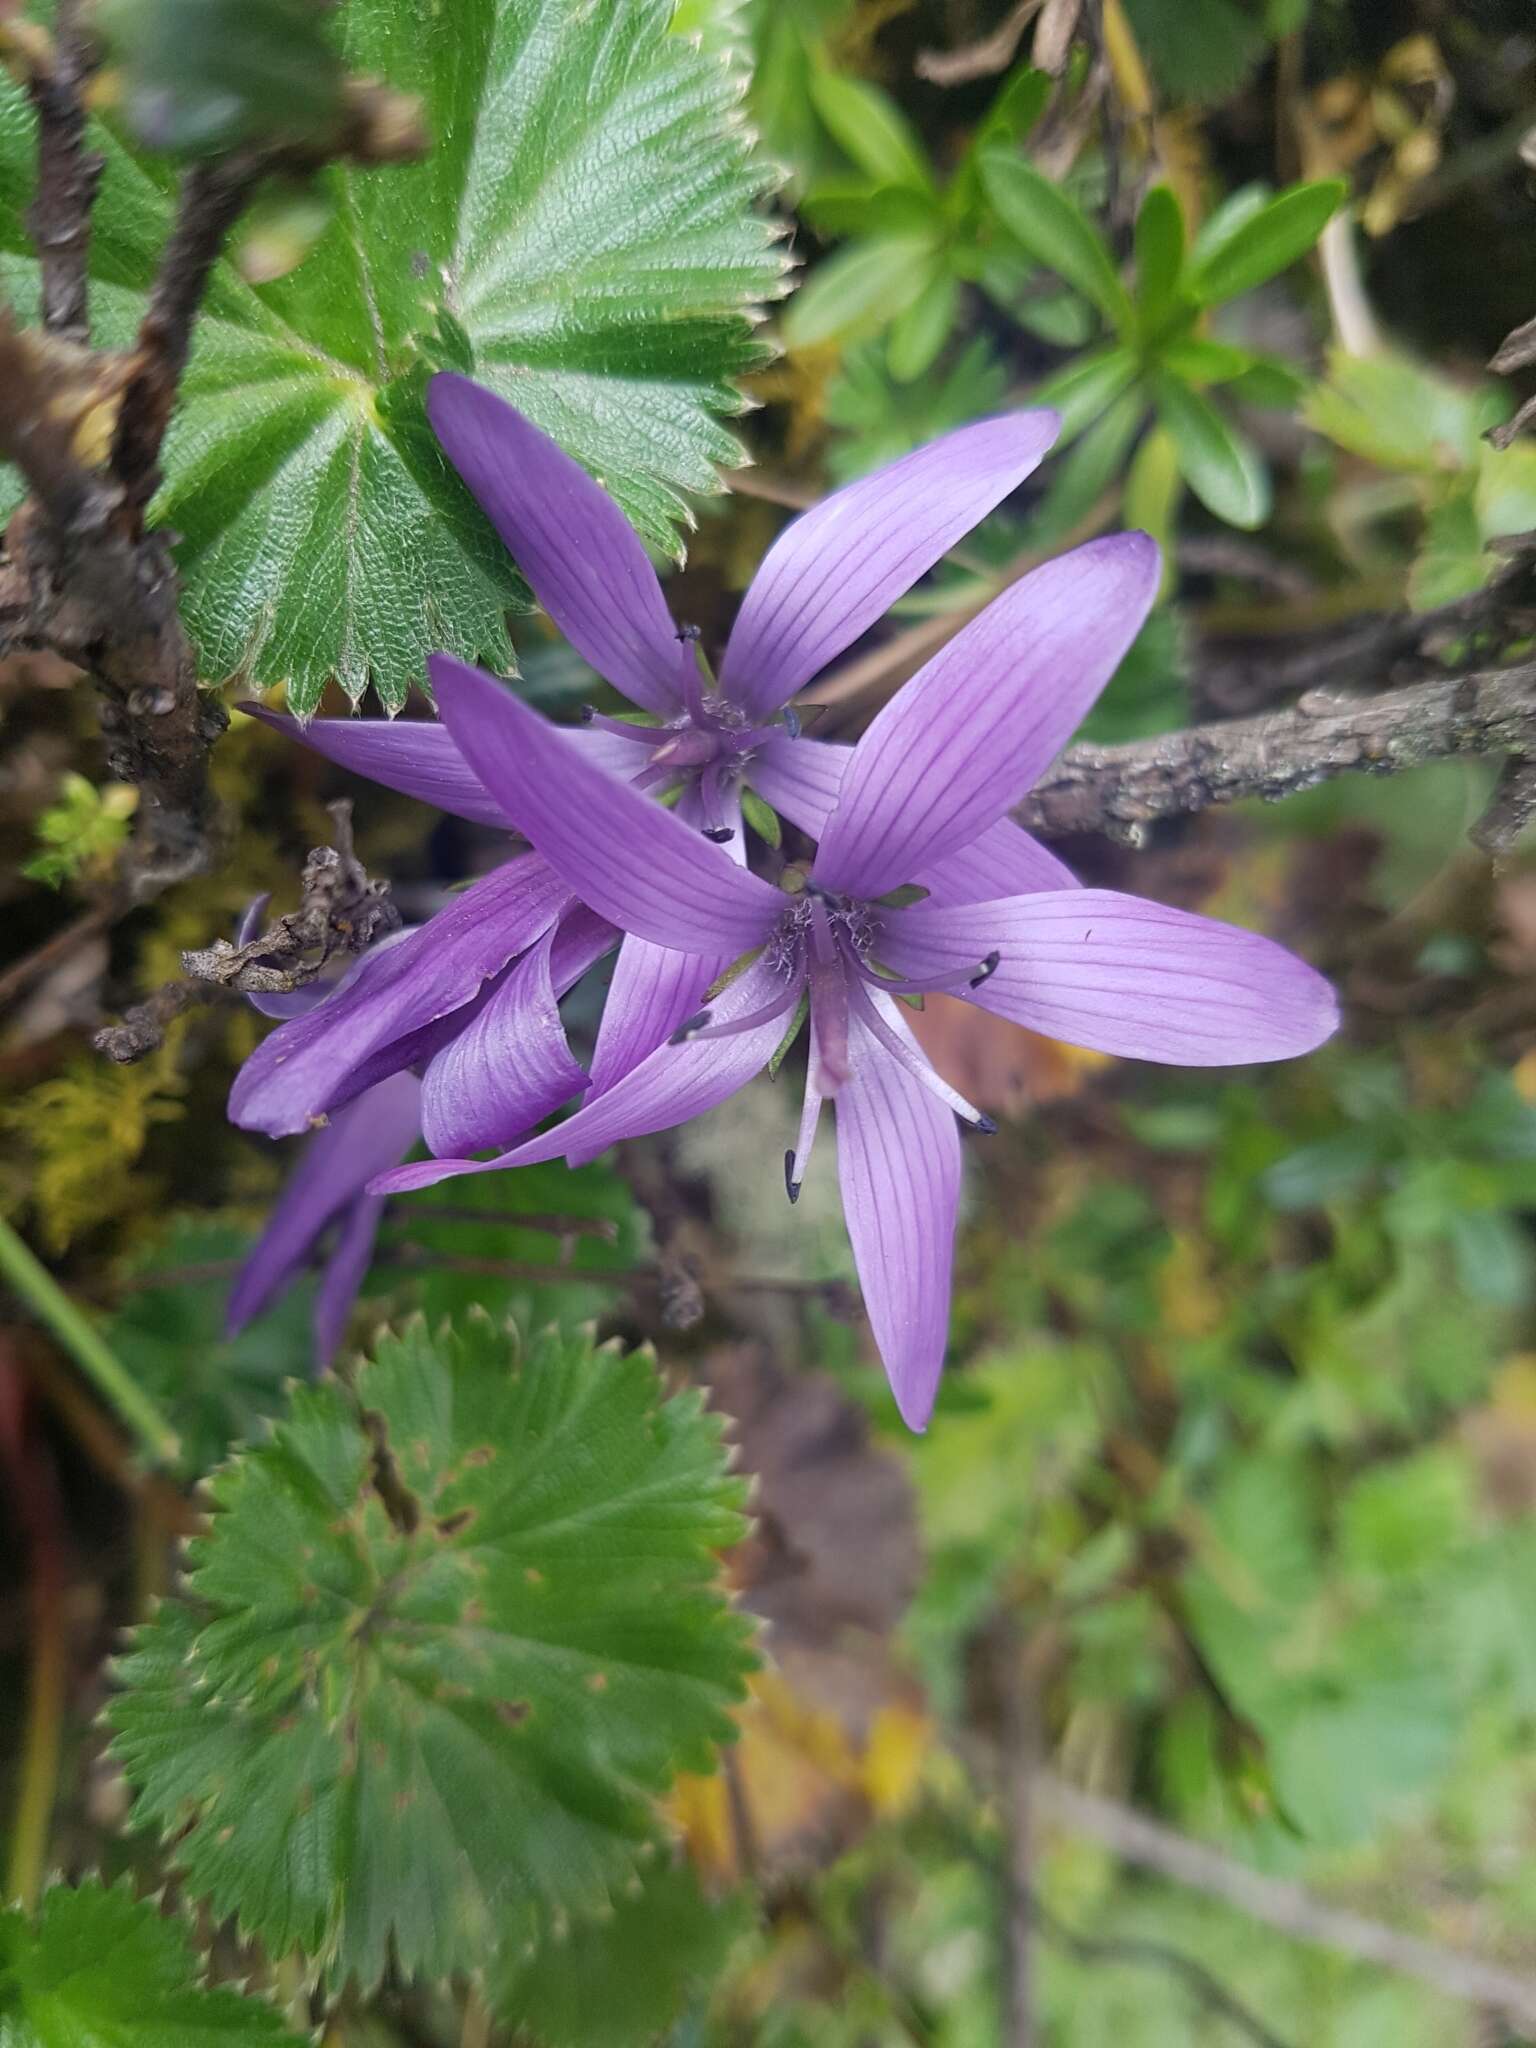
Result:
[
  {"x": 800, "y": 778},
  {"x": 654, "y": 989},
  {"x": 506, "y": 1070},
  {"x": 832, "y": 573},
  {"x": 1120, "y": 975},
  {"x": 416, "y": 756},
  {"x": 335, "y": 1166},
  {"x": 898, "y": 1160},
  {"x": 316, "y": 1062},
  {"x": 584, "y": 560},
  {"x": 677, "y": 1082},
  {"x": 626, "y": 857},
  {"x": 345, "y": 1271},
  {"x": 1005, "y": 861},
  {"x": 981, "y": 722}
]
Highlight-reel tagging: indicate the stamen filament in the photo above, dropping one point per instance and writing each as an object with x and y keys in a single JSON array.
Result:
[
  {"x": 916, "y": 1065},
  {"x": 621, "y": 729},
  {"x": 697, "y": 1026},
  {"x": 795, "y": 1162}
]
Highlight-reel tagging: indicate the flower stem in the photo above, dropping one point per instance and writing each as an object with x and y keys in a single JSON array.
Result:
[
  {"x": 38, "y": 1778},
  {"x": 35, "y": 1286}
]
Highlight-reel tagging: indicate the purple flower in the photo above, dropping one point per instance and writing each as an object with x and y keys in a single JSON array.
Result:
[
  {"x": 329, "y": 1187},
  {"x": 924, "y": 790},
  {"x": 829, "y": 577}
]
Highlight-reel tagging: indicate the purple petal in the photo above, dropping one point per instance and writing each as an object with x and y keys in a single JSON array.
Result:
[
  {"x": 345, "y": 1271},
  {"x": 315, "y": 1062},
  {"x": 981, "y": 721},
  {"x": 677, "y": 1082},
  {"x": 506, "y": 1070},
  {"x": 898, "y": 1162},
  {"x": 416, "y": 756},
  {"x": 334, "y": 1168},
  {"x": 581, "y": 555},
  {"x": 653, "y": 990},
  {"x": 800, "y": 778},
  {"x": 1005, "y": 861},
  {"x": 832, "y": 573},
  {"x": 626, "y": 857},
  {"x": 1122, "y": 975}
]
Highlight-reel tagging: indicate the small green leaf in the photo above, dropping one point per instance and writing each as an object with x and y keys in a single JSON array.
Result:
[
  {"x": 1090, "y": 466},
  {"x": 1159, "y": 254},
  {"x": 1020, "y": 102},
  {"x": 1269, "y": 381},
  {"x": 871, "y": 129},
  {"x": 1223, "y": 226},
  {"x": 921, "y": 331},
  {"x": 858, "y": 290},
  {"x": 1055, "y": 231},
  {"x": 1220, "y": 465},
  {"x": 1084, "y": 390},
  {"x": 450, "y": 1635},
  {"x": 1397, "y": 414},
  {"x": 1269, "y": 240},
  {"x": 839, "y": 210},
  {"x": 1153, "y": 487},
  {"x": 763, "y": 818},
  {"x": 102, "y": 1969},
  {"x": 1197, "y": 359},
  {"x": 622, "y": 1979}
]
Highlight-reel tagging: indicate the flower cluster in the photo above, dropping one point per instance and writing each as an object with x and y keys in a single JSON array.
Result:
[{"x": 918, "y": 881}]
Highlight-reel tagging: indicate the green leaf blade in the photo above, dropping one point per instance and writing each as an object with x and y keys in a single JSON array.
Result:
[
  {"x": 1267, "y": 242},
  {"x": 482, "y": 1597},
  {"x": 101, "y": 1969},
  {"x": 1219, "y": 464},
  {"x": 1055, "y": 231}
]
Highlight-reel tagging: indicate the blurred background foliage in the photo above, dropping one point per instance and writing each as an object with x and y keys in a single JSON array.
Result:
[{"x": 1227, "y": 1516}]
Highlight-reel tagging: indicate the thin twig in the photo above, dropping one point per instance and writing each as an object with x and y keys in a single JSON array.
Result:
[
  {"x": 1286, "y": 1906},
  {"x": 1120, "y": 790},
  {"x": 59, "y": 220}
]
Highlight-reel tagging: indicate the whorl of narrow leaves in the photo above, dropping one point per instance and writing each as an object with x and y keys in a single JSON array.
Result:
[
  {"x": 102, "y": 1969},
  {"x": 581, "y": 236},
  {"x": 450, "y": 1634}
]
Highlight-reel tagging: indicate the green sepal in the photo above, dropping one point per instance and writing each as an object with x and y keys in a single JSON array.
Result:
[
  {"x": 802, "y": 1011},
  {"x": 762, "y": 817},
  {"x": 734, "y": 972}
]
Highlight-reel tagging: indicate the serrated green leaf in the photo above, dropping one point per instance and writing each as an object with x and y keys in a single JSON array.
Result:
[
  {"x": 1199, "y": 50},
  {"x": 1055, "y": 231},
  {"x": 450, "y": 1635},
  {"x": 1272, "y": 238},
  {"x": 871, "y": 129},
  {"x": 102, "y": 1969},
  {"x": 1220, "y": 465},
  {"x": 622, "y": 1979},
  {"x": 596, "y": 249}
]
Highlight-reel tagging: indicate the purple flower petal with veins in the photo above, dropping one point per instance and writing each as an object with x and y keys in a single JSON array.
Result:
[{"x": 928, "y": 784}]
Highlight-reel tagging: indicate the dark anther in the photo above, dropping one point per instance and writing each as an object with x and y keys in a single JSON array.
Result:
[
  {"x": 690, "y": 633},
  {"x": 689, "y": 1025},
  {"x": 718, "y": 835},
  {"x": 791, "y": 1185},
  {"x": 989, "y": 967},
  {"x": 985, "y": 1126},
  {"x": 587, "y": 713},
  {"x": 792, "y": 721}
]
